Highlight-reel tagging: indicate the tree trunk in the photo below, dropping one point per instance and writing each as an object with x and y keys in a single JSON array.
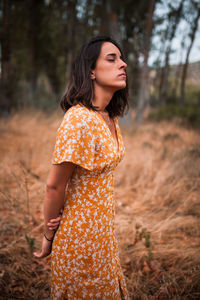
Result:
[
  {"x": 71, "y": 26},
  {"x": 5, "y": 41},
  {"x": 34, "y": 30},
  {"x": 185, "y": 66},
  {"x": 113, "y": 15},
  {"x": 143, "y": 98},
  {"x": 109, "y": 20},
  {"x": 176, "y": 80},
  {"x": 104, "y": 18},
  {"x": 162, "y": 69},
  {"x": 165, "y": 83},
  {"x": 5, "y": 90},
  {"x": 177, "y": 75}
]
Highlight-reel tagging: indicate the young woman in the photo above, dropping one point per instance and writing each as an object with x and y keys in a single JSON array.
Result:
[{"x": 84, "y": 252}]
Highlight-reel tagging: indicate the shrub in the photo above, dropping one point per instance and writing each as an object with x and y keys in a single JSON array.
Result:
[{"x": 189, "y": 113}]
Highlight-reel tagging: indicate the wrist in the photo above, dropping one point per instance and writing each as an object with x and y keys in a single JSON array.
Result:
[
  {"x": 49, "y": 239},
  {"x": 49, "y": 234}
]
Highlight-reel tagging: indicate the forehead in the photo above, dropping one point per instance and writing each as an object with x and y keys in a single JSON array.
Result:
[{"x": 108, "y": 48}]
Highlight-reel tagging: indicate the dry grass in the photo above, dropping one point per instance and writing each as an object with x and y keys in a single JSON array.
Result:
[{"x": 157, "y": 192}]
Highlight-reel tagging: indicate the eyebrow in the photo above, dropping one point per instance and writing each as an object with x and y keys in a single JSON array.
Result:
[{"x": 113, "y": 54}]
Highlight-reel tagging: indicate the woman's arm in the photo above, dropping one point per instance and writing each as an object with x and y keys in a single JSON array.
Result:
[
  {"x": 54, "y": 200},
  {"x": 55, "y": 192}
]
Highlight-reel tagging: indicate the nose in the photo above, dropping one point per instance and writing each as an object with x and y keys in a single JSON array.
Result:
[{"x": 123, "y": 64}]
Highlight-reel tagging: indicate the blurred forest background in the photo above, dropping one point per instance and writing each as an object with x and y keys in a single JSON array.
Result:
[
  {"x": 157, "y": 184},
  {"x": 39, "y": 39}
]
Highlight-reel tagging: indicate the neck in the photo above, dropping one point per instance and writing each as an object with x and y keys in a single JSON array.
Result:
[{"x": 102, "y": 97}]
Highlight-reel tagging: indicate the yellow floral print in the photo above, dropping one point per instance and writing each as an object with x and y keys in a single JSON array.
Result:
[{"x": 85, "y": 257}]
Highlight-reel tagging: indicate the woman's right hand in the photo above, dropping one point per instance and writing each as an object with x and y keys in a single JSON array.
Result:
[
  {"x": 52, "y": 225},
  {"x": 46, "y": 249}
]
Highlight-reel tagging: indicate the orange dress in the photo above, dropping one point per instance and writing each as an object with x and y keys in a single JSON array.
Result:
[{"x": 85, "y": 259}]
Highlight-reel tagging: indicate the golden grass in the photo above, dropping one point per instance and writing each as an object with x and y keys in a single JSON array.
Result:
[{"x": 157, "y": 192}]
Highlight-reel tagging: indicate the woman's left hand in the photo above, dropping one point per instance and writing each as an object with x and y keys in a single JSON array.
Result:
[{"x": 54, "y": 223}]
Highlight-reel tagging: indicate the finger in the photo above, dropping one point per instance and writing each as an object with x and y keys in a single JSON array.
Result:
[
  {"x": 55, "y": 224},
  {"x": 40, "y": 255},
  {"x": 53, "y": 228},
  {"x": 52, "y": 221},
  {"x": 52, "y": 225}
]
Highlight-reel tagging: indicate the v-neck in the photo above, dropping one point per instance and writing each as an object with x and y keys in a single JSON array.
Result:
[{"x": 115, "y": 141}]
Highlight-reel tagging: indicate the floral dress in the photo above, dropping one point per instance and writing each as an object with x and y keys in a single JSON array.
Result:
[{"x": 85, "y": 259}]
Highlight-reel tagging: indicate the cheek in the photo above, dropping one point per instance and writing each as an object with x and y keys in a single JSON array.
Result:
[
  {"x": 104, "y": 69},
  {"x": 109, "y": 78},
  {"x": 104, "y": 78},
  {"x": 104, "y": 72},
  {"x": 107, "y": 75}
]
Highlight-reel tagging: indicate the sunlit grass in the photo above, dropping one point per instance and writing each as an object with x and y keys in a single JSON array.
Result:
[{"x": 157, "y": 207}]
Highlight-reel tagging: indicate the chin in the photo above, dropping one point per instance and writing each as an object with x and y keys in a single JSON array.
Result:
[{"x": 121, "y": 87}]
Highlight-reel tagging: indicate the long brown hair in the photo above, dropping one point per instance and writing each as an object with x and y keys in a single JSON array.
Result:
[{"x": 80, "y": 89}]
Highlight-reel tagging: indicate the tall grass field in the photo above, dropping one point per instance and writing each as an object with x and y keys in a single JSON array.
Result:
[{"x": 157, "y": 193}]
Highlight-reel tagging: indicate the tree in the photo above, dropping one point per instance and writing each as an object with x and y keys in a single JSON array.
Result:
[
  {"x": 39, "y": 39},
  {"x": 177, "y": 74},
  {"x": 5, "y": 55},
  {"x": 144, "y": 81},
  {"x": 35, "y": 19},
  {"x": 174, "y": 17},
  {"x": 194, "y": 27},
  {"x": 71, "y": 27}
]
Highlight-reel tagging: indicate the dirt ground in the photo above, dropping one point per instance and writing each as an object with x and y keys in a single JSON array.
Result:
[{"x": 157, "y": 188}]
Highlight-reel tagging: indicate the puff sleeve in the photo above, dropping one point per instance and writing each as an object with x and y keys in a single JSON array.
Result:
[{"x": 75, "y": 141}]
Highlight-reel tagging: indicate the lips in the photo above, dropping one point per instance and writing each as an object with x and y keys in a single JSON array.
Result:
[{"x": 122, "y": 75}]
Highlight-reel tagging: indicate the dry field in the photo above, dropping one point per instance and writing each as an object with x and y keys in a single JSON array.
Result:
[{"x": 157, "y": 191}]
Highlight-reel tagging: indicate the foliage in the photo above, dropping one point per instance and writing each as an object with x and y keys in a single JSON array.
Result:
[
  {"x": 188, "y": 114},
  {"x": 39, "y": 39},
  {"x": 31, "y": 243}
]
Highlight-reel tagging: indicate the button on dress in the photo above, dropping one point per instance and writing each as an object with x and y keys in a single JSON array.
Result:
[{"x": 85, "y": 257}]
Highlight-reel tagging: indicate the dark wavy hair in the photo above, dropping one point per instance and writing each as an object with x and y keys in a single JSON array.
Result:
[{"x": 80, "y": 88}]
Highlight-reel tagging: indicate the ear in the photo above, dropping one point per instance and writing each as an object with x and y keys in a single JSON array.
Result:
[{"x": 92, "y": 74}]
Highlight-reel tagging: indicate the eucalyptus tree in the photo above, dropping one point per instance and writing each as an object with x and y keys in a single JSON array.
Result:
[
  {"x": 192, "y": 16},
  {"x": 173, "y": 18},
  {"x": 143, "y": 97}
]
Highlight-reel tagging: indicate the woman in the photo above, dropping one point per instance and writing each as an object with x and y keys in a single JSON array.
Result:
[{"x": 84, "y": 257}]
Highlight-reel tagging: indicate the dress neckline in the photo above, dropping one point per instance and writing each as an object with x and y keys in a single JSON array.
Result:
[{"x": 115, "y": 141}]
